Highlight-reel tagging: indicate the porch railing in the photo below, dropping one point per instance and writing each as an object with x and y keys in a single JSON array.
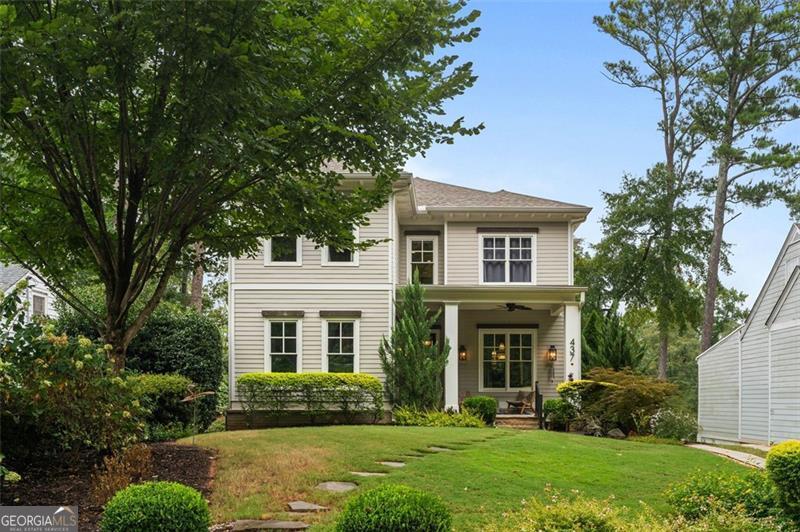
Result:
[{"x": 537, "y": 398}]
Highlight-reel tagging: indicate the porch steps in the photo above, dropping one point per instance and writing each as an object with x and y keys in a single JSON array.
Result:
[{"x": 517, "y": 421}]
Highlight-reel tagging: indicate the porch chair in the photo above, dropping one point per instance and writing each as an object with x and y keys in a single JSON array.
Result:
[{"x": 523, "y": 401}]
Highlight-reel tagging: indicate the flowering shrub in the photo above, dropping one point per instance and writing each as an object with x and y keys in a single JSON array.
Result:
[
  {"x": 59, "y": 392},
  {"x": 673, "y": 424}
]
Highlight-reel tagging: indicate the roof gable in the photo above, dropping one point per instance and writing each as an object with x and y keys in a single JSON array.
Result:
[
  {"x": 10, "y": 275},
  {"x": 787, "y": 290}
]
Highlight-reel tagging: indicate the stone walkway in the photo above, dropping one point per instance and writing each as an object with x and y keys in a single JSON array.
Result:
[{"x": 738, "y": 456}]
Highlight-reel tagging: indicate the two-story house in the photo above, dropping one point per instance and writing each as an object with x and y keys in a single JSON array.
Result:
[{"x": 498, "y": 264}]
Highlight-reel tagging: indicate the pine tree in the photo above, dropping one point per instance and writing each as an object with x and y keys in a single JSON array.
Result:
[{"x": 412, "y": 363}]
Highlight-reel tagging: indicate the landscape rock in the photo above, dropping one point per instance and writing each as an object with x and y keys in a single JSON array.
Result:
[
  {"x": 616, "y": 434},
  {"x": 303, "y": 506},
  {"x": 367, "y": 474},
  {"x": 393, "y": 464},
  {"x": 337, "y": 487}
]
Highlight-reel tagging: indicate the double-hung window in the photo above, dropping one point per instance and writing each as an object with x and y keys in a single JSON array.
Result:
[
  {"x": 507, "y": 258},
  {"x": 422, "y": 258},
  {"x": 283, "y": 251},
  {"x": 283, "y": 346},
  {"x": 341, "y": 345},
  {"x": 332, "y": 256},
  {"x": 38, "y": 305}
]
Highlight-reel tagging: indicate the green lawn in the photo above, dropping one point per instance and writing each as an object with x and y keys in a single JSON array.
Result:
[{"x": 488, "y": 472}]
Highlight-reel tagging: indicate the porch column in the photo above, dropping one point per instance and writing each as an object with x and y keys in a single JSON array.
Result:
[
  {"x": 451, "y": 370},
  {"x": 572, "y": 341}
]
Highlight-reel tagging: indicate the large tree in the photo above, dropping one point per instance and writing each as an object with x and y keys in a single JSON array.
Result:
[
  {"x": 751, "y": 86},
  {"x": 665, "y": 56},
  {"x": 134, "y": 130}
]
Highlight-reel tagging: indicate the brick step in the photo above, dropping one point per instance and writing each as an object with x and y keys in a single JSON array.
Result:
[{"x": 517, "y": 422}]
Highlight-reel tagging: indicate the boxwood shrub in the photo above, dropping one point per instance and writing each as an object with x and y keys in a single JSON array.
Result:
[
  {"x": 156, "y": 507},
  {"x": 312, "y": 394},
  {"x": 161, "y": 396},
  {"x": 783, "y": 467},
  {"x": 394, "y": 508},
  {"x": 483, "y": 406},
  {"x": 436, "y": 418}
]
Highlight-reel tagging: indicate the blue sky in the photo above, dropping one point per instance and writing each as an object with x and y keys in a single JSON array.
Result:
[{"x": 557, "y": 128}]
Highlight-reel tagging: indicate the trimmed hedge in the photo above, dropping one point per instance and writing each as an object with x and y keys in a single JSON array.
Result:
[
  {"x": 483, "y": 406},
  {"x": 394, "y": 508},
  {"x": 156, "y": 507},
  {"x": 162, "y": 396},
  {"x": 312, "y": 394},
  {"x": 783, "y": 467}
]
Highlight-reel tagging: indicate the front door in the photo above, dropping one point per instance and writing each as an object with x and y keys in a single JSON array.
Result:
[{"x": 507, "y": 359}]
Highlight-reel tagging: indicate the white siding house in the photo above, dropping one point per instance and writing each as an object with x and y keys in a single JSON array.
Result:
[
  {"x": 37, "y": 297},
  {"x": 749, "y": 382}
]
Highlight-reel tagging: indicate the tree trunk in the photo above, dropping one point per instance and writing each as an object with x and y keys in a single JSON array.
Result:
[
  {"x": 663, "y": 353},
  {"x": 196, "y": 298},
  {"x": 119, "y": 348},
  {"x": 712, "y": 279}
]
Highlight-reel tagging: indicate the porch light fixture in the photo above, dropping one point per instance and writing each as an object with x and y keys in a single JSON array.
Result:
[
  {"x": 427, "y": 342},
  {"x": 552, "y": 354},
  {"x": 462, "y": 353}
]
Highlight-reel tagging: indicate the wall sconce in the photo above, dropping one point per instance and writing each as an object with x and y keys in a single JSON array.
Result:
[
  {"x": 427, "y": 342},
  {"x": 552, "y": 354},
  {"x": 462, "y": 353}
]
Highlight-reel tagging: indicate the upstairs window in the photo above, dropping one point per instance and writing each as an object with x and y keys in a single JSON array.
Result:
[
  {"x": 332, "y": 256},
  {"x": 507, "y": 258},
  {"x": 283, "y": 251},
  {"x": 38, "y": 305},
  {"x": 422, "y": 258}
]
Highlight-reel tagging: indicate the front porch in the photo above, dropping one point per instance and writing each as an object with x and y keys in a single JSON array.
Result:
[{"x": 504, "y": 340}]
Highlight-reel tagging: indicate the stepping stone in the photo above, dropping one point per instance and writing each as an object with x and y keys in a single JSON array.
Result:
[
  {"x": 367, "y": 474},
  {"x": 392, "y": 464},
  {"x": 248, "y": 525},
  {"x": 337, "y": 487},
  {"x": 303, "y": 506},
  {"x": 439, "y": 449}
]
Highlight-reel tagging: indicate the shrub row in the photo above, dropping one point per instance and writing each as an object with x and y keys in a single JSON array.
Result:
[
  {"x": 436, "y": 418},
  {"x": 311, "y": 394}
]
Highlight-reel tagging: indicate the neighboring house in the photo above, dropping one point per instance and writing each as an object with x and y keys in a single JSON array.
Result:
[
  {"x": 749, "y": 382},
  {"x": 498, "y": 264},
  {"x": 38, "y": 297}
]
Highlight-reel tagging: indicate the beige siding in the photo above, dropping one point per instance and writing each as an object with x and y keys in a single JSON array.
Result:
[
  {"x": 552, "y": 254},
  {"x": 373, "y": 262},
  {"x": 785, "y": 388},
  {"x": 403, "y": 252},
  {"x": 249, "y": 325},
  {"x": 550, "y": 332},
  {"x": 718, "y": 384}
]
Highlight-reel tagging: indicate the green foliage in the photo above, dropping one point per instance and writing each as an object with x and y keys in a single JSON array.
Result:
[
  {"x": 558, "y": 413},
  {"x": 155, "y": 507},
  {"x": 412, "y": 365},
  {"x": 185, "y": 113},
  {"x": 185, "y": 342},
  {"x": 631, "y": 400},
  {"x": 783, "y": 466},
  {"x": 314, "y": 394},
  {"x": 60, "y": 392},
  {"x": 608, "y": 342},
  {"x": 394, "y": 508},
  {"x": 706, "y": 492},
  {"x": 436, "y": 418},
  {"x": 673, "y": 424},
  {"x": 483, "y": 406},
  {"x": 162, "y": 396}
]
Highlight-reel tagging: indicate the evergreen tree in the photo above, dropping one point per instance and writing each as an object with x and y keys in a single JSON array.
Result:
[
  {"x": 412, "y": 363},
  {"x": 609, "y": 343}
]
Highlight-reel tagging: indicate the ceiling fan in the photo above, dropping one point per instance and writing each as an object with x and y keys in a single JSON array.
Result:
[{"x": 511, "y": 307}]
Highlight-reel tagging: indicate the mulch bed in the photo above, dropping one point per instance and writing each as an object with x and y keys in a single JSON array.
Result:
[{"x": 69, "y": 483}]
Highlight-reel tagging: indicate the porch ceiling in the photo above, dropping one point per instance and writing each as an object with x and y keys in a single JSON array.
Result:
[{"x": 527, "y": 295}]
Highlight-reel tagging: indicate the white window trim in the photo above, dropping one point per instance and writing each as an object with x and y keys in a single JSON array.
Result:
[
  {"x": 534, "y": 358},
  {"x": 356, "y": 342},
  {"x": 507, "y": 236},
  {"x": 325, "y": 262},
  {"x": 268, "y": 254},
  {"x": 268, "y": 342},
  {"x": 431, "y": 238}
]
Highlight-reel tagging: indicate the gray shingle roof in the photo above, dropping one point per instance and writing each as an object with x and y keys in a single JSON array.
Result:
[
  {"x": 10, "y": 275},
  {"x": 432, "y": 194}
]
